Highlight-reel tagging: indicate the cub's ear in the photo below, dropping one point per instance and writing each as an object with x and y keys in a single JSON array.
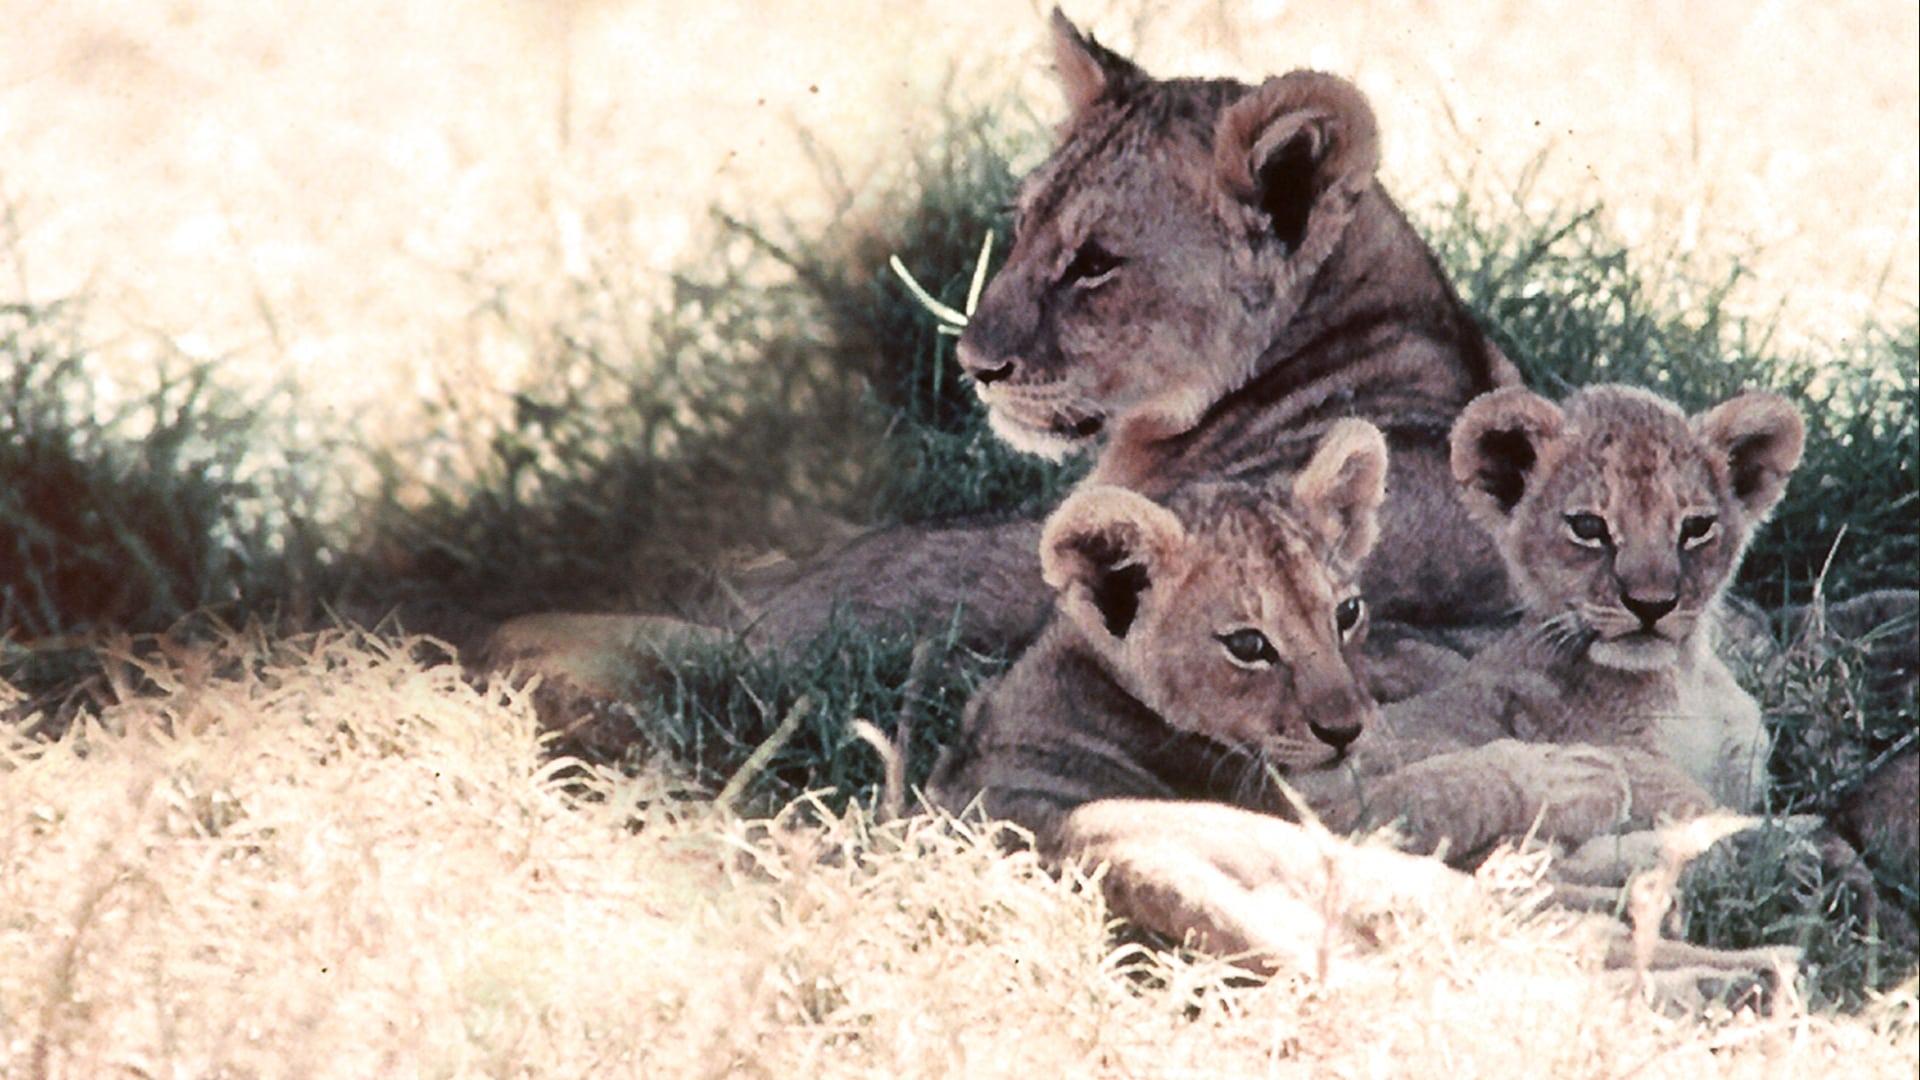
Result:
[
  {"x": 1340, "y": 490},
  {"x": 1496, "y": 446},
  {"x": 1101, "y": 549},
  {"x": 1295, "y": 148},
  {"x": 1759, "y": 438},
  {"x": 1088, "y": 70}
]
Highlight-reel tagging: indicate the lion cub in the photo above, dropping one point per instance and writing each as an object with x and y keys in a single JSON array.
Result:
[
  {"x": 1195, "y": 641},
  {"x": 1622, "y": 522}
]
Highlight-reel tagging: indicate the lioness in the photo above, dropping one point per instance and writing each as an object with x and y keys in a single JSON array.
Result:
[
  {"x": 1622, "y": 522},
  {"x": 1206, "y": 275}
]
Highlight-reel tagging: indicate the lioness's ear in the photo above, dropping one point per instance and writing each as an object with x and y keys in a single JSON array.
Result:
[
  {"x": 1296, "y": 146},
  {"x": 1496, "y": 445},
  {"x": 1341, "y": 489},
  {"x": 1101, "y": 549},
  {"x": 1088, "y": 70},
  {"x": 1759, "y": 437}
]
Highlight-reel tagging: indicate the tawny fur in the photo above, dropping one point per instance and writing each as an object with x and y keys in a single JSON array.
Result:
[
  {"x": 1616, "y": 500},
  {"x": 1132, "y": 690},
  {"x": 1129, "y": 738},
  {"x": 1267, "y": 287}
]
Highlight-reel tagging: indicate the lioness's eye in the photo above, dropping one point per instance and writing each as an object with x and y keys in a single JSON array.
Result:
[
  {"x": 1249, "y": 647},
  {"x": 1347, "y": 615},
  {"x": 1697, "y": 529},
  {"x": 1091, "y": 263},
  {"x": 1588, "y": 530}
]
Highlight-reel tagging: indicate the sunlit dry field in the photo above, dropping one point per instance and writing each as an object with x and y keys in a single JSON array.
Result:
[
  {"x": 333, "y": 856},
  {"x": 342, "y": 860}
]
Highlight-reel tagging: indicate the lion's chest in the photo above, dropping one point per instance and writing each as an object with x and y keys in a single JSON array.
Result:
[
  {"x": 1712, "y": 728},
  {"x": 1695, "y": 715}
]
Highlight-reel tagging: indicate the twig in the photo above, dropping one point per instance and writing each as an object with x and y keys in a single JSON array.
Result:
[
  {"x": 895, "y": 753},
  {"x": 757, "y": 761},
  {"x": 955, "y": 320},
  {"x": 940, "y": 311}
]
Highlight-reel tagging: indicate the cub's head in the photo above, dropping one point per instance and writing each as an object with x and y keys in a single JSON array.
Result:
[
  {"x": 1621, "y": 519},
  {"x": 1162, "y": 246},
  {"x": 1233, "y": 610}
]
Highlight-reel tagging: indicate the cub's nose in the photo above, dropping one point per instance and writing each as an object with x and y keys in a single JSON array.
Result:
[
  {"x": 985, "y": 369},
  {"x": 1649, "y": 610},
  {"x": 1335, "y": 735}
]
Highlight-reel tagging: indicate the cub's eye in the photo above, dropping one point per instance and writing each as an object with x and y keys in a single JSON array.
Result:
[
  {"x": 1588, "y": 530},
  {"x": 1249, "y": 648},
  {"x": 1347, "y": 615},
  {"x": 1090, "y": 265},
  {"x": 1697, "y": 529}
]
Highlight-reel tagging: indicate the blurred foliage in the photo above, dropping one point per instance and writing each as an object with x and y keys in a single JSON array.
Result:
[
  {"x": 137, "y": 506},
  {"x": 788, "y": 388}
]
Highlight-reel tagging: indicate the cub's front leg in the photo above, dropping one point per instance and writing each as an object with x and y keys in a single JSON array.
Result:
[{"x": 1466, "y": 801}]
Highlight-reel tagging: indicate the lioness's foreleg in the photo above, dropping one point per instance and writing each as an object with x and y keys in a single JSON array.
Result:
[
  {"x": 987, "y": 575},
  {"x": 1276, "y": 896}
]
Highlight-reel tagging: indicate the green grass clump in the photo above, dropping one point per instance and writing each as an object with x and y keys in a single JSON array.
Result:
[
  {"x": 1771, "y": 886},
  {"x": 646, "y": 447},
  {"x": 134, "y": 507},
  {"x": 1831, "y": 723},
  {"x": 720, "y": 702}
]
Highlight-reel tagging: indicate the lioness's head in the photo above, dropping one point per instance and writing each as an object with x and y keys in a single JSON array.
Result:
[
  {"x": 1620, "y": 518},
  {"x": 1232, "y": 610},
  {"x": 1162, "y": 246}
]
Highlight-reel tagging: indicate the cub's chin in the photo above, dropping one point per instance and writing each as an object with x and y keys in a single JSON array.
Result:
[
  {"x": 1048, "y": 443},
  {"x": 1635, "y": 652}
]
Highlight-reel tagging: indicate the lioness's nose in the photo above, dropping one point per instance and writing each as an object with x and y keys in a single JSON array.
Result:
[
  {"x": 1335, "y": 735},
  {"x": 1649, "y": 610},
  {"x": 984, "y": 369}
]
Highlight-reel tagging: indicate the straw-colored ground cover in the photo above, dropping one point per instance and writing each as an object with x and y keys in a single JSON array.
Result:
[{"x": 331, "y": 856}]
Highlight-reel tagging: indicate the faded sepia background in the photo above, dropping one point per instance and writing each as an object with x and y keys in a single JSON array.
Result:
[
  {"x": 415, "y": 315},
  {"x": 329, "y": 189}
]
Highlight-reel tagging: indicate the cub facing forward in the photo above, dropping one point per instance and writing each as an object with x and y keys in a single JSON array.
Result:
[
  {"x": 1621, "y": 521},
  {"x": 1197, "y": 640}
]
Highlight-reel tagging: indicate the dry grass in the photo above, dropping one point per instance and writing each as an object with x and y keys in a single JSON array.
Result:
[{"x": 331, "y": 856}]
